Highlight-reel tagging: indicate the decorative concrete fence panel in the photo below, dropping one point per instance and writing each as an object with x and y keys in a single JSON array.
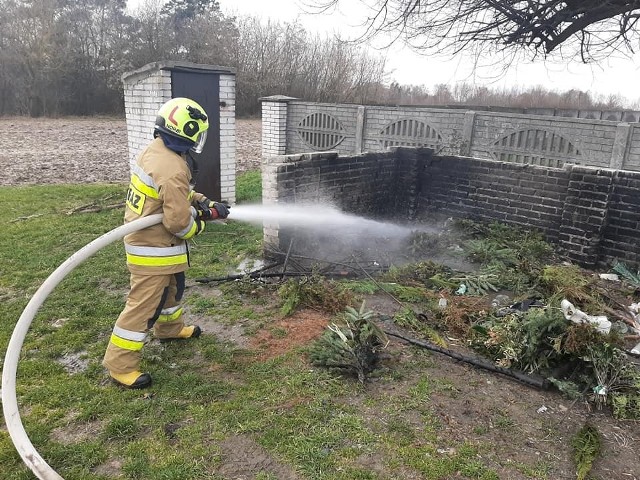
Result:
[
  {"x": 292, "y": 126},
  {"x": 542, "y": 141},
  {"x": 387, "y": 127},
  {"x": 317, "y": 127}
]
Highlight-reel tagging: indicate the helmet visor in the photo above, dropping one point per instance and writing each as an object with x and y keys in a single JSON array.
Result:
[{"x": 202, "y": 139}]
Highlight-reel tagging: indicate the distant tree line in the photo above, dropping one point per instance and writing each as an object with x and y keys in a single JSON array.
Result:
[
  {"x": 66, "y": 57},
  {"x": 469, "y": 94},
  {"x": 61, "y": 57}
]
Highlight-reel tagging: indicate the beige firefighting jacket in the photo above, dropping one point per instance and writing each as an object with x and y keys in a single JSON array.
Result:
[{"x": 160, "y": 183}]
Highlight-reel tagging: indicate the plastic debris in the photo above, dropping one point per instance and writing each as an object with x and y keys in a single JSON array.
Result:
[
  {"x": 601, "y": 322},
  {"x": 542, "y": 409},
  {"x": 442, "y": 302},
  {"x": 600, "y": 390},
  {"x": 636, "y": 349},
  {"x": 518, "y": 307},
  {"x": 462, "y": 289},
  {"x": 610, "y": 276},
  {"x": 620, "y": 327},
  {"x": 634, "y": 308}
]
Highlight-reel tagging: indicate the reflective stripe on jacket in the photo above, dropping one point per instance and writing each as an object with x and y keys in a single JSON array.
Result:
[
  {"x": 156, "y": 256},
  {"x": 160, "y": 183}
]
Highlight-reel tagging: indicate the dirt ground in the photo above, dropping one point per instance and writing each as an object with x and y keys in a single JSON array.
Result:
[
  {"x": 523, "y": 424},
  {"x": 86, "y": 150},
  {"x": 477, "y": 406}
]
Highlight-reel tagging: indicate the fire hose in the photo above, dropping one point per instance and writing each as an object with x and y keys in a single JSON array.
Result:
[{"x": 9, "y": 400}]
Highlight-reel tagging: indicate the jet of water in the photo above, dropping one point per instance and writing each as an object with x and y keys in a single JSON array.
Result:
[
  {"x": 322, "y": 231},
  {"x": 316, "y": 217}
]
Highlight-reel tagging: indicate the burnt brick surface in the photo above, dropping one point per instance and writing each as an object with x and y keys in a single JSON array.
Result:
[
  {"x": 592, "y": 214},
  {"x": 513, "y": 193}
]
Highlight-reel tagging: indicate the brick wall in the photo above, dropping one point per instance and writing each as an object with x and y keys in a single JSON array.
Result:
[
  {"x": 487, "y": 190},
  {"x": 366, "y": 183},
  {"x": 585, "y": 212},
  {"x": 146, "y": 89},
  {"x": 143, "y": 96},
  {"x": 620, "y": 234},
  {"x": 227, "y": 95},
  {"x": 592, "y": 215}
]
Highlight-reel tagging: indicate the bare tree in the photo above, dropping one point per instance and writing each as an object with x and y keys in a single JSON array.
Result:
[
  {"x": 62, "y": 57},
  {"x": 282, "y": 58},
  {"x": 584, "y": 29},
  {"x": 150, "y": 29}
]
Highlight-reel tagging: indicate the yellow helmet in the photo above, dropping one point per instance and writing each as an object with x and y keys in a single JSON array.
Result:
[{"x": 185, "y": 119}]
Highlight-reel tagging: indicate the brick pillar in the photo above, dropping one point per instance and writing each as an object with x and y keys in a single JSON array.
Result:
[
  {"x": 274, "y": 125},
  {"x": 584, "y": 217},
  {"x": 360, "y": 125},
  {"x": 144, "y": 93},
  {"x": 277, "y": 172},
  {"x": 228, "y": 138},
  {"x": 270, "y": 194},
  {"x": 274, "y": 146}
]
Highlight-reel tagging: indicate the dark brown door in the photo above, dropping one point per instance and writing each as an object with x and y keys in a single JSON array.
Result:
[{"x": 204, "y": 88}]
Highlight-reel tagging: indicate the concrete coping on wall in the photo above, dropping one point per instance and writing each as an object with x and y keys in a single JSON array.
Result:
[
  {"x": 395, "y": 150},
  {"x": 559, "y": 119},
  {"x": 277, "y": 98},
  {"x": 590, "y": 169},
  {"x": 173, "y": 65},
  {"x": 405, "y": 148},
  {"x": 299, "y": 157}
]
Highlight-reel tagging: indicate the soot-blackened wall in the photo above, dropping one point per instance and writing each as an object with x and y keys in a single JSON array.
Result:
[
  {"x": 369, "y": 184},
  {"x": 592, "y": 215},
  {"x": 488, "y": 190}
]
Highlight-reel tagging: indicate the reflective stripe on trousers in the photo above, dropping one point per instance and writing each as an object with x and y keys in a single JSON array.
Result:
[
  {"x": 170, "y": 314},
  {"x": 148, "y": 297},
  {"x": 127, "y": 339}
]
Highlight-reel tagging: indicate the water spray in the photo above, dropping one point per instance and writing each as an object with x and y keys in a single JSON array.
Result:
[{"x": 315, "y": 217}]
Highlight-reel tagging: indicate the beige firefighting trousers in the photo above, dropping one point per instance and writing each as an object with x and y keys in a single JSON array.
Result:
[{"x": 153, "y": 303}]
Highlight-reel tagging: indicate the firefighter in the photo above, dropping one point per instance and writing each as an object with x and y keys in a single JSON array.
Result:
[{"x": 157, "y": 256}]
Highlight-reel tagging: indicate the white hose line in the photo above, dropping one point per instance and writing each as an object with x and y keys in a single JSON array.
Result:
[{"x": 9, "y": 401}]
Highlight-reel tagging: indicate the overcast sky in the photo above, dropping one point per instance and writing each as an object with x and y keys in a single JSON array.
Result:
[{"x": 615, "y": 76}]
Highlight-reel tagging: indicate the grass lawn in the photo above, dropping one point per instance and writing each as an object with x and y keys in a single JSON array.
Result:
[{"x": 218, "y": 409}]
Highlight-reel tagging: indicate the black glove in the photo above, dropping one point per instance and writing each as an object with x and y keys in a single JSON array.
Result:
[
  {"x": 210, "y": 210},
  {"x": 221, "y": 209}
]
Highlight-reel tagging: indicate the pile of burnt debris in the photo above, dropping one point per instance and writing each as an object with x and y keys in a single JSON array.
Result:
[{"x": 500, "y": 292}]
